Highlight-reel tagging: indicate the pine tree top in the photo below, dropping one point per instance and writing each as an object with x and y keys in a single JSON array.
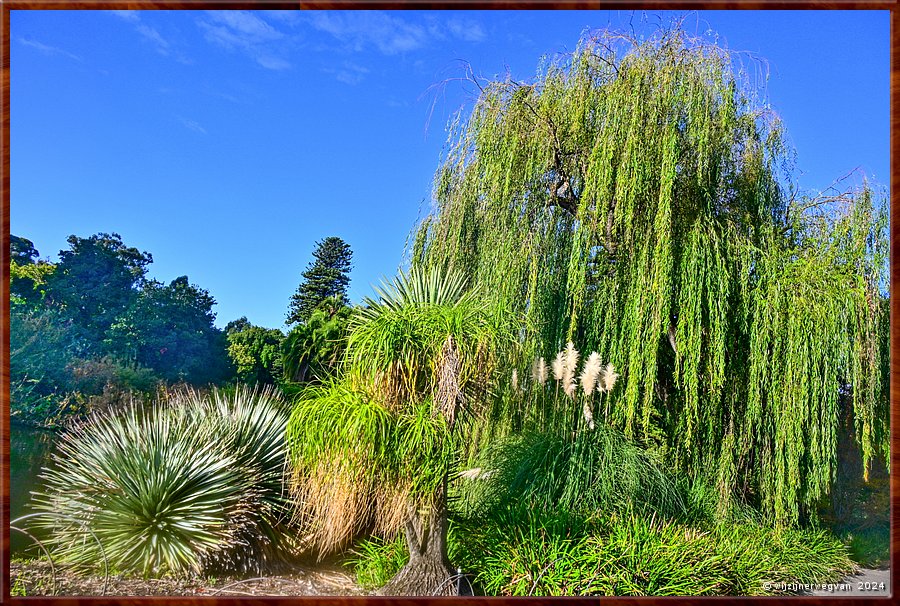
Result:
[{"x": 327, "y": 275}]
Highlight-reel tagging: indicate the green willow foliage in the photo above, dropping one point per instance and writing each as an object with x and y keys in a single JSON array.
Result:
[{"x": 632, "y": 200}]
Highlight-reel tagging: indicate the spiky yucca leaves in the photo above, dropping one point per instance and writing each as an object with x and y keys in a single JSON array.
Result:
[
  {"x": 597, "y": 471},
  {"x": 181, "y": 486},
  {"x": 159, "y": 490},
  {"x": 359, "y": 465},
  {"x": 253, "y": 425}
]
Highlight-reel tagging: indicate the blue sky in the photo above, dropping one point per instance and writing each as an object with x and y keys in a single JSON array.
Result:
[{"x": 227, "y": 143}]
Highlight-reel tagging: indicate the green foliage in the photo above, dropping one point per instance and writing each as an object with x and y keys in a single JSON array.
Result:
[
  {"x": 358, "y": 464},
  {"x": 375, "y": 560},
  {"x": 22, "y": 250},
  {"x": 400, "y": 339},
  {"x": 27, "y": 282},
  {"x": 92, "y": 325},
  {"x": 94, "y": 282},
  {"x": 376, "y": 440},
  {"x": 188, "y": 484},
  {"x": 523, "y": 552},
  {"x": 40, "y": 356},
  {"x": 255, "y": 352},
  {"x": 312, "y": 351},
  {"x": 328, "y": 275},
  {"x": 634, "y": 199},
  {"x": 596, "y": 471},
  {"x": 169, "y": 328},
  {"x": 869, "y": 546}
]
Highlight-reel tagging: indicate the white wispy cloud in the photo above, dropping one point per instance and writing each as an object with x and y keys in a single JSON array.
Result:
[
  {"x": 247, "y": 32},
  {"x": 391, "y": 34},
  {"x": 273, "y": 63},
  {"x": 289, "y": 17},
  {"x": 193, "y": 125},
  {"x": 160, "y": 44},
  {"x": 130, "y": 16},
  {"x": 348, "y": 73},
  {"x": 362, "y": 30},
  {"x": 47, "y": 49},
  {"x": 466, "y": 29}
]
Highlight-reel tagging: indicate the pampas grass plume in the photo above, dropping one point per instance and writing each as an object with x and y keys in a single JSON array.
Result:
[
  {"x": 539, "y": 371},
  {"x": 590, "y": 372},
  {"x": 558, "y": 366},
  {"x": 588, "y": 415},
  {"x": 608, "y": 377}
]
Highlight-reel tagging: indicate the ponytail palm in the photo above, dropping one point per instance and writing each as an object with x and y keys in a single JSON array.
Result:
[{"x": 372, "y": 449}]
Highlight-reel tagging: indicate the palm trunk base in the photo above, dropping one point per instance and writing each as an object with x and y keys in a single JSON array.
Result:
[{"x": 422, "y": 576}]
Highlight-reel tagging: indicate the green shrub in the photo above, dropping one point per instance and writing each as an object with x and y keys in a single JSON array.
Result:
[{"x": 191, "y": 484}]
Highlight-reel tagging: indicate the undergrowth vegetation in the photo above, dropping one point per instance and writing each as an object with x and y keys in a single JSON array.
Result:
[{"x": 658, "y": 535}]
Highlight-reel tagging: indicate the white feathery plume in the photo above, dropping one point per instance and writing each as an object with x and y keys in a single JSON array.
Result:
[
  {"x": 570, "y": 364},
  {"x": 558, "y": 366},
  {"x": 539, "y": 371},
  {"x": 515, "y": 380},
  {"x": 609, "y": 377},
  {"x": 590, "y": 372},
  {"x": 588, "y": 415},
  {"x": 571, "y": 359}
]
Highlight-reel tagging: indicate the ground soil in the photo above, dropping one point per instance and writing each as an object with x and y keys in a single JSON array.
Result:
[{"x": 35, "y": 578}]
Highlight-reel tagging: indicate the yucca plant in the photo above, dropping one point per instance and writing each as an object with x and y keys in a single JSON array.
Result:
[{"x": 179, "y": 487}]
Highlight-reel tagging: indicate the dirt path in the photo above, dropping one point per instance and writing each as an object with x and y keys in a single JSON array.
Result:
[
  {"x": 870, "y": 582},
  {"x": 35, "y": 578}
]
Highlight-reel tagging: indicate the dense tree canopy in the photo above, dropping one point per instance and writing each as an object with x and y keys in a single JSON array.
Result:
[
  {"x": 22, "y": 250},
  {"x": 636, "y": 200},
  {"x": 255, "y": 352},
  {"x": 94, "y": 320},
  {"x": 328, "y": 275},
  {"x": 95, "y": 282},
  {"x": 169, "y": 328}
]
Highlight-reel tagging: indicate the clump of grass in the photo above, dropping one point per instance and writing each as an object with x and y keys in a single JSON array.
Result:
[
  {"x": 375, "y": 561},
  {"x": 597, "y": 470},
  {"x": 521, "y": 551},
  {"x": 869, "y": 546}
]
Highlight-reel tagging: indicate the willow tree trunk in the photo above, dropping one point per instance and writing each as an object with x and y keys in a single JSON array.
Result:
[{"x": 428, "y": 571}]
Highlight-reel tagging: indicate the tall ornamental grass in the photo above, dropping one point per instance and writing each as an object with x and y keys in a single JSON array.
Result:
[{"x": 596, "y": 470}]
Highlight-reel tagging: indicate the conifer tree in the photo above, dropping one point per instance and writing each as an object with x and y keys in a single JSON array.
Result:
[{"x": 328, "y": 275}]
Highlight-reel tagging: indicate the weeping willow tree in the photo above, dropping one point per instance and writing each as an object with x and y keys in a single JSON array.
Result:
[{"x": 635, "y": 199}]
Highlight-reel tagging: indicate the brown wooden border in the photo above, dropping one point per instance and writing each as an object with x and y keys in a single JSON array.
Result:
[{"x": 7, "y": 5}]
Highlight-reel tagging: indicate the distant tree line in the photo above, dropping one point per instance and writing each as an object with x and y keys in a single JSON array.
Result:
[{"x": 92, "y": 328}]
